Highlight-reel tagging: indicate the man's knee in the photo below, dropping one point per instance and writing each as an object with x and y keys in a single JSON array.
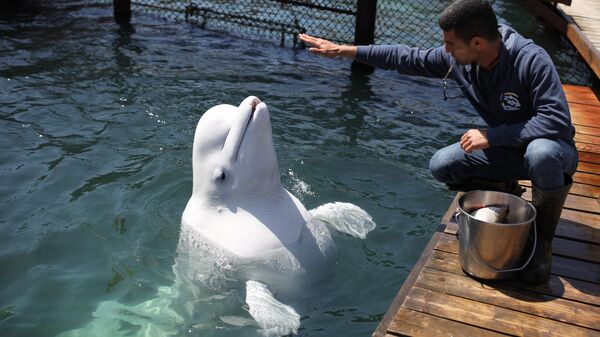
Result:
[
  {"x": 542, "y": 154},
  {"x": 440, "y": 165},
  {"x": 548, "y": 161}
]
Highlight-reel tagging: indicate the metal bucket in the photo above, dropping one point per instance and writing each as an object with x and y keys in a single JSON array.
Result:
[{"x": 489, "y": 250}]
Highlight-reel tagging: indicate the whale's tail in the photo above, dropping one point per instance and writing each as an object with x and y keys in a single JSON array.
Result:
[
  {"x": 345, "y": 218},
  {"x": 273, "y": 317}
]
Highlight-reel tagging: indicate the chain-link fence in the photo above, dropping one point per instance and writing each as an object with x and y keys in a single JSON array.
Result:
[{"x": 397, "y": 21}]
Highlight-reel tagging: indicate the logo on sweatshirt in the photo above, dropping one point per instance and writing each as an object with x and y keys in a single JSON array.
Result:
[{"x": 510, "y": 101}]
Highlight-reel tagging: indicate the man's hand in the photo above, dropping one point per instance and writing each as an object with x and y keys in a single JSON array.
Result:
[
  {"x": 327, "y": 48},
  {"x": 474, "y": 139}
]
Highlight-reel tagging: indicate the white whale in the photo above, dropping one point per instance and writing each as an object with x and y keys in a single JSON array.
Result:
[
  {"x": 241, "y": 230},
  {"x": 238, "y": 201},
  {"x": 239, "y": 204}
]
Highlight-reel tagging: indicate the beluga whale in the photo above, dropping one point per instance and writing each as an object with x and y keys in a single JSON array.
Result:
[
  {"x": 239, "y": 205},
  {"x": 238, "y": 201},
  {"x": 246, "y": 244}
]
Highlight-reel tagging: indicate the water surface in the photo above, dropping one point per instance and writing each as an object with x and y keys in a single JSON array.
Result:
[{"x": 97, "y": 125}]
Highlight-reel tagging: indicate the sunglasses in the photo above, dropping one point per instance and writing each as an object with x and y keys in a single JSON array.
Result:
[{"x": 452, "y": 91}]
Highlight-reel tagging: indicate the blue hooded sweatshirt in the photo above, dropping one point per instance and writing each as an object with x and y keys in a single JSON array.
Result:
[{"x": 520, "y": 98}]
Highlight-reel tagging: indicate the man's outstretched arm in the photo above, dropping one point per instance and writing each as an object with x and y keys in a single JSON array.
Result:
[{"x": 327, "y": 48}]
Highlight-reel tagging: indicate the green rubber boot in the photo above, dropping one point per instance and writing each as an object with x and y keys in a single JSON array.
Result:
[{"x": 548, "y": 205}]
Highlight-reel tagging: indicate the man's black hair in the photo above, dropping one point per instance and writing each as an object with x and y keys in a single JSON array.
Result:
[{"x": 470, "y": 18}]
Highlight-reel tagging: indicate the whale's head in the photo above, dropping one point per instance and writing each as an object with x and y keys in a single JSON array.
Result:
[
  {"x": 233, "y": 155},
  {"x": 238, "y": 201}
]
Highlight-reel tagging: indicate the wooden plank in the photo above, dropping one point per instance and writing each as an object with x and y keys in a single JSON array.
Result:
[
  {"x": 581, "y": 94},
  {"x": 592, "y": 148},
  {"x": 584, "y": 110},
  {"x": 590, "y": 139},
  {"x": 563, "y": 266},
  {"x": 577, "y": 250},
  {"x": 587, "y": 178},
  {"x": 559, "y": 309},
  {"x": 583, "y": 120},
  {"x": 587, "y": 130},
  {"x": 577, "y": 231},
  {"x": 557, "y": 286},
  {"x": 589, "y": 219},
  {"x": 567, "y": 229},
  {"x": 585, "y": 251},
  {"x": 579, "y": 270},
  {"x": 589, "y": 157},
  {"x": 583, "y": 8},
  {"x": 585, "y": 47},
  {"x": 413, "y": 323},
  {"x": 575, "y": 202},
  {"x": 590, "y": 191},
  {"x": 586, "y": 167},
  {"x": 488, "y": 316},
  {"x": 585, "y": 190}
]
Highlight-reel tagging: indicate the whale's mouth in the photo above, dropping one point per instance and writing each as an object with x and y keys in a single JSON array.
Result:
[{"x": 254, "y": 104}]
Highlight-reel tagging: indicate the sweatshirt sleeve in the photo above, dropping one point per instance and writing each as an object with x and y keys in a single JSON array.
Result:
[
  {"x": 550, "y": 119},
  {"x": 406, "y": 60}
]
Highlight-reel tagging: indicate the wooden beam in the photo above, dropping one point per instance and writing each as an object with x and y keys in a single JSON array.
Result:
[
  {"x": 585, "y": 47},
  {"x": 558, "y": 20},
  {"x": 547, "y": 14},
  {"x": 565, "y": 2}
]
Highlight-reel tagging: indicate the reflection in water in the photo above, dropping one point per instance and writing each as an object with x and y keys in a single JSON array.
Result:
[
  {"x": 19, "y": 9},
  {"x": 351, "y": 112}
]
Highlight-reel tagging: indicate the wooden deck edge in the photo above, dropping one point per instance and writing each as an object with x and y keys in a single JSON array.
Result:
[
  {"x": 584, "y": 46},
  {"x": 569, "y": 29},
  {"x": 382, "y": 328}
]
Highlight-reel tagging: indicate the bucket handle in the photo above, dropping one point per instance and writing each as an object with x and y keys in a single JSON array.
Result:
[{"x": 483, "y": 263}]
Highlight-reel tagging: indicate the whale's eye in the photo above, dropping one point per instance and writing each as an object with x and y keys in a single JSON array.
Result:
[{"x": 219, "y": 174}]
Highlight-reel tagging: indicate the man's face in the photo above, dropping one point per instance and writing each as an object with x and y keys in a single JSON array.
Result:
[{"x": 464, "y": 53}]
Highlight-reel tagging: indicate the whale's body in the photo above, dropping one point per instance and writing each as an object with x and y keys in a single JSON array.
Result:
[
  {"x": 238, "y": 202},
  {"x": 241, "y": 232}
]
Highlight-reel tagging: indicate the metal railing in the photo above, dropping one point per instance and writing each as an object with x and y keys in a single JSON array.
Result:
[{"x": 356, "y": 21}]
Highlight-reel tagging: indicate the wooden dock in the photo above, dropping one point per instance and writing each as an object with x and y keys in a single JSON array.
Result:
[
  {"x": 438, "y": 299},
  {"x": 578, "y": 21},
  {"x": 583, "y": 29}
]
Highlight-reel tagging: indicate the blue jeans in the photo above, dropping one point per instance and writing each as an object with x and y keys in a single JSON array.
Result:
[{"x": 543, "y": 161}]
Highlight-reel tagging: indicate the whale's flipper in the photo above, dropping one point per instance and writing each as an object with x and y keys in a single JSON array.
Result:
[
  {"x": 273, "y": 317},
  {"x": 346, "y": 218}
]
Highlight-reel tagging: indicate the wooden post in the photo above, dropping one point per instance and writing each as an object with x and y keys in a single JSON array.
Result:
[
  {"x": 364, "y": 33},
  {"x": 122, "y": 10}
]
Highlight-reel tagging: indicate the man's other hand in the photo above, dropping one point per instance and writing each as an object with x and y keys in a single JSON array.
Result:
[{"x": 474, "y": 139}]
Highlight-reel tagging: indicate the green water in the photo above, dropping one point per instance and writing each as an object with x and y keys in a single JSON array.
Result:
[{"x": 97, "y": 126}]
